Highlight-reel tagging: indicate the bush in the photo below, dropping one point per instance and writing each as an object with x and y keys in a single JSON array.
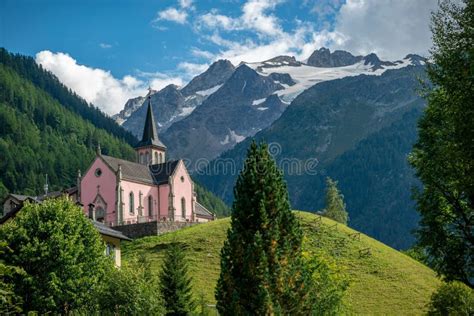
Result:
[
  {"x": 131, "y": 290},
  {"x": 454, "y": 298},
  {"x": 60, "y": 253}
]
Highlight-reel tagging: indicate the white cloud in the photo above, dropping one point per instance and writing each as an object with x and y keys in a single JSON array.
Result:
[
  {"x": 185, "y": 3},
  {"x": 254, "y": 17},
  {"x": 105, "y": 45},
  {"x": 172, "y": 14},
  {"x": 389, "y": 28},
  {"x": 191, "y": 70},
  {"x": 98, "y": 86}
]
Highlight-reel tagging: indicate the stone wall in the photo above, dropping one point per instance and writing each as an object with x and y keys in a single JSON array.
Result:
[{"x": 151, "y": 228}]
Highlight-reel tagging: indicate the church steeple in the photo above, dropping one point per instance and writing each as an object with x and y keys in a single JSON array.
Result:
[{"x": 150, "y": 149}]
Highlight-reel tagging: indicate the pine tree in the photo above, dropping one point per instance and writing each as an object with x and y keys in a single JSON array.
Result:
[
  {"x": 262, "y": 270},
  {"x": 335, "y": 206},
  {"x": 444, "y": 154},
  {"x": 175, "y": 283}
]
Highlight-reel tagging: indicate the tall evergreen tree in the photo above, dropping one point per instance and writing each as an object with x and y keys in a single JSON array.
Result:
[
  {"x": 262, "y": 270},
  {"x": 335, "y": 206},
  {"x": 444, "y": 154},
  {"x": 175, "y": 283}
]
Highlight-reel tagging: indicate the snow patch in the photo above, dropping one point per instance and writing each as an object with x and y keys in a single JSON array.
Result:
[
  {"x": 232, "y": 137},
  {"x": 262, "y": 108},
  {"x": 186, "y": 111},
  {"x": 259, "y": 101},
  {"x": 209, "y": 91}
]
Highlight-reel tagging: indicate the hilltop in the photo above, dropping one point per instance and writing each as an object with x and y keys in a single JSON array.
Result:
[{"x": 381, "y": 283}]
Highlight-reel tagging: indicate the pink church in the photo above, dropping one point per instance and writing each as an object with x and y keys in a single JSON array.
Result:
[{"x": 120, "y": 192}]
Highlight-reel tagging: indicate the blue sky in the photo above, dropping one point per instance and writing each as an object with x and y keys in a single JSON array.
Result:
[{"x": 108, "y": 51}]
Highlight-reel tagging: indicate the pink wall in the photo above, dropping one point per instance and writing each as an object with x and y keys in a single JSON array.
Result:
[
  {"x": 164, "y": 200},
  {"x": 147, "y": 190},
  {"x": 107, "y": 182},
  {"x": 182, "y": 189}
]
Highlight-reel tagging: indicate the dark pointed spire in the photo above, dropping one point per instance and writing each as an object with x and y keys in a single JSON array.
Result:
[{"x": 150, "y": 135}]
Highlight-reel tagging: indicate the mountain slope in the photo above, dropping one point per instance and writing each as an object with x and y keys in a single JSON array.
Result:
[
  {"x": 385, "y": 283},
  {"x": 235, "y": 111},
  {"x": 357, "y": 130},
  {"x": 26, "y": 67}
]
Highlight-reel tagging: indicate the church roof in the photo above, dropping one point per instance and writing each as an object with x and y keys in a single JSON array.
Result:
[
  {"x": 150, "y": 135},
  {"x": 154, "y": 174},
  {"x": 201, "y": 211}
]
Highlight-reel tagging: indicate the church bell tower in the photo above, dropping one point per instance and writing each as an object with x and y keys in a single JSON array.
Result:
[{"x": 150, "y": 150}]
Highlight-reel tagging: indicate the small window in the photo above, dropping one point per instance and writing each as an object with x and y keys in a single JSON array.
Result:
[
  {"x": 182, "y": 179},
  {"x": 110, "y": 250},
  {"x": 100, "y": 214},
  {"x": 141, "y": 158},
  {"x": 131, "y": 204},
  {"x": 161, "y": 158},
  {"x": 156, "y": 158},
  {"x": 183, "y": 207},
  {"x": 150, "y": 206},
  {"x": 147, "y": 158},
  {"x": 98, "y": 172}
]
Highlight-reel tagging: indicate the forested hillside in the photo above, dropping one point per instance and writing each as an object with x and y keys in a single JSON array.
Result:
[
  {"x": 39, "y": 134},
  {"x": 27, "y": 68}
]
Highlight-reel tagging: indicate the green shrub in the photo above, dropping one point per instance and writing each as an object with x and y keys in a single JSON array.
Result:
[{"x": 454, "y": 298}]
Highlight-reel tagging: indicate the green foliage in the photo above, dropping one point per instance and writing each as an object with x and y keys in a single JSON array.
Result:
[
  {"x": 10, "y": 303},
  {"x": 131, "y": 290},
  {"x": 210, "y": 201},
  {"x": 61, "y": 253},
  {"x": 454, "y": 298},
  {"x": 335, "y": 206},
  {"x": 262, "y": 268},
  {"x": 330, "y": 283},
  {"x": 175, "y": 282},
  {"x": 444, "y": 154},
  {"x": 379, "y": 284},
  {"x": 39, "y": 136}
]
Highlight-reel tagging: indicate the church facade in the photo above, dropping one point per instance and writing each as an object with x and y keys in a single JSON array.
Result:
[{"x": 119, "y": 192}]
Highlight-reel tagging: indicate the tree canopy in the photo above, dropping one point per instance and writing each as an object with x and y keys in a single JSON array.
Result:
[
  {"x": 60, "y": 252},
  {"x": 444, "y": 154}
]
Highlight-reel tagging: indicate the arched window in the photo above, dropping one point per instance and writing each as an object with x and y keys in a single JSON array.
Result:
[
  {"x": 161, "y": 158},
  {"x": 183, "y": 207},
  {"x": 156, "y": 158},
  {"x": 150, "y": 206},
  {"x": 131, "y": 204},
  {"x": 147, "y": 157},
  {"x": 141, "y": 158}
]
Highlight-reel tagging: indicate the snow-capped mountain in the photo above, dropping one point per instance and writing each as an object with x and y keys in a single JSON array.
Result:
[
  {"x": 171, "y": 104},
  {"x": 224, "y": 105}
]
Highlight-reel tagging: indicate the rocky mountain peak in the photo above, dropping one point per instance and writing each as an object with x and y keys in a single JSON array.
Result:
[
  {"x": 416, "y": 60},
  {"x": 215, "y": 75},
  {"x": 374, "y": 60},
  {"x": 339, "y": 58}
]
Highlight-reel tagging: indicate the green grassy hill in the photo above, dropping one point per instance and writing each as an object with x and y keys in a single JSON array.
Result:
[{"x": 384, "y": 282}]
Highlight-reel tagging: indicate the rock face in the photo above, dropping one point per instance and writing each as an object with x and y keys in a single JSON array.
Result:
[
  {"x": 375, "y": 62},
  {"x": 339, "y": 58},
  {"x": 131, "y": 106},
  {"x": 244, "y": 105},
  {"x": 217, "y": 74}
]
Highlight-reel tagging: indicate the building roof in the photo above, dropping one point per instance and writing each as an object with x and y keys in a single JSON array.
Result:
[
  {"x": 107, "y": 231},
  {"x": 201, "y": 211},
  {"x": 153, "y": 174},
  {"x": 161, "y": 172},
  {"x": 150, "y": 135}
]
